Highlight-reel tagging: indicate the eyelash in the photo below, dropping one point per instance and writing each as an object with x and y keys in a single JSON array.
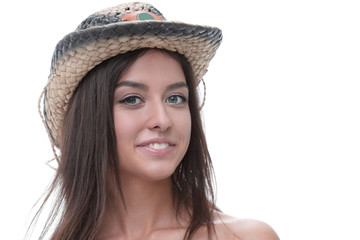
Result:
[
  {"x": 183, "y": 99},
  {"x": 126, "y": 99}
]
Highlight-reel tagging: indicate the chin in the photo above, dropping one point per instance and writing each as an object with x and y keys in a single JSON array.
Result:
[
  {"x": 159, "y": 173},
  {"x": 149, "y": 170}
]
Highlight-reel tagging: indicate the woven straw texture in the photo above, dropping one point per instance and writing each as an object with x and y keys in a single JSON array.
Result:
[{"x": 102, "y": 36}]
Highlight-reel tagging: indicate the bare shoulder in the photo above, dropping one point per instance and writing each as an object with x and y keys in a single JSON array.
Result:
[{"x": 228, "y": 227}]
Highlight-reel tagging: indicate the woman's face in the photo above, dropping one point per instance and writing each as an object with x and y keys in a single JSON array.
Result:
[{"x": 152, "y": 117}]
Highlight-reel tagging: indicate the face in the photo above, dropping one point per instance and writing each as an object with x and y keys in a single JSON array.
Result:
[{"x": 152, "y": 117}]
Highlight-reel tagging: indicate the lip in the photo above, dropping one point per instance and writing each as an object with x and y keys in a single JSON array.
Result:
[
  {"x": 157, "y": 152},
  {"x": 156, "y": 140}
]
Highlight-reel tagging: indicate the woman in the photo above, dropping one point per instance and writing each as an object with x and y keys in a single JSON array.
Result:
[{"x": 122, "y": 107}]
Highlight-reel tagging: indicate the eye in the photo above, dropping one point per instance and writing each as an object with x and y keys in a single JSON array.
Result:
[
  {"x": 131, "y": 100},
  {"x": 176, "y": 99}
]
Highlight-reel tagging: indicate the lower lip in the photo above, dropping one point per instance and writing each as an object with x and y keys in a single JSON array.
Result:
[{"x": 157, "y": 152}]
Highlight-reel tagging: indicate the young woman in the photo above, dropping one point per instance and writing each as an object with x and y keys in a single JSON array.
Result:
[{"x": 121, "y": 105}]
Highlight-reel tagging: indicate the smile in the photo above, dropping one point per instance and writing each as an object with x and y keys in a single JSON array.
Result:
[{"x": 158, "y": 146}]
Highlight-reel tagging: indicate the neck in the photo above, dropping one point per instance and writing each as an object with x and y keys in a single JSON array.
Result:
[{"x": 148, "y": 206}]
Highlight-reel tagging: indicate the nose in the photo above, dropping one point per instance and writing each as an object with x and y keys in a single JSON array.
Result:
[{"x": 159, "y": 118}]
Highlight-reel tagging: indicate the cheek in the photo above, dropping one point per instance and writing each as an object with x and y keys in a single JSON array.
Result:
[
  {"x": 183, "y": 126},
  {"x": 125, "y": 126}
]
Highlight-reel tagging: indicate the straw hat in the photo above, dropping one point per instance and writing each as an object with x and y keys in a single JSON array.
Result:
[{"x": 114, "y": 31}]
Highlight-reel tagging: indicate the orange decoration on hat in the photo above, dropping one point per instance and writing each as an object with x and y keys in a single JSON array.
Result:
[{"x": 141, "y": 15}]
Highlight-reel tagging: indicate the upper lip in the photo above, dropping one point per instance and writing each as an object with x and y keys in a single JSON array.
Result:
[{"x": 156, "y": 140}]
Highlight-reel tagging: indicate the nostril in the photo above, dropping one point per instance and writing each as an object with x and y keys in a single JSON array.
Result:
[{"x": 159, "y": 118}]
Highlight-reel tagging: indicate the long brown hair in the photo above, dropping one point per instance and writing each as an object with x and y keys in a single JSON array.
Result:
[{"x": 88, "y": 170}]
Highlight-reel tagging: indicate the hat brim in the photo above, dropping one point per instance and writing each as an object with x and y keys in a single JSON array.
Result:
[{"x": 80, "y": 51}]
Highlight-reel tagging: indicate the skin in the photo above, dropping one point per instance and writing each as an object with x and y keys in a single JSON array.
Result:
[{"x": 150, "y": 105}]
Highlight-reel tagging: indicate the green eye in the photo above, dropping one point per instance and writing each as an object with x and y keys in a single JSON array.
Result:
[
  {"x": 132, "y": 100},
  {"x": 176, "y": 99}
]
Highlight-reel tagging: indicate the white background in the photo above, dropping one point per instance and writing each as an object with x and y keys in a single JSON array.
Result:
[{"x": 282, "y": 112}]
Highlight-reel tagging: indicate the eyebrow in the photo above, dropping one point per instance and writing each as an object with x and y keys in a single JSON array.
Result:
[
  {"x": 132, "y": 84},
  {"x": 177, "y": 85},
  {"x": 146, "y": 88}
]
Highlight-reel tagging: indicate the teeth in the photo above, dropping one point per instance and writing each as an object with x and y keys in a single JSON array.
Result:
[{"x": 158, "y": 146}]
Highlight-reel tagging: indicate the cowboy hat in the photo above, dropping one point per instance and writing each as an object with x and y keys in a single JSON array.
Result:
[{"x": 114, "y": 31}]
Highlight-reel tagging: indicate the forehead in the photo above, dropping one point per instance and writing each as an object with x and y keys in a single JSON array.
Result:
[{"x": 153, "y": 68}]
